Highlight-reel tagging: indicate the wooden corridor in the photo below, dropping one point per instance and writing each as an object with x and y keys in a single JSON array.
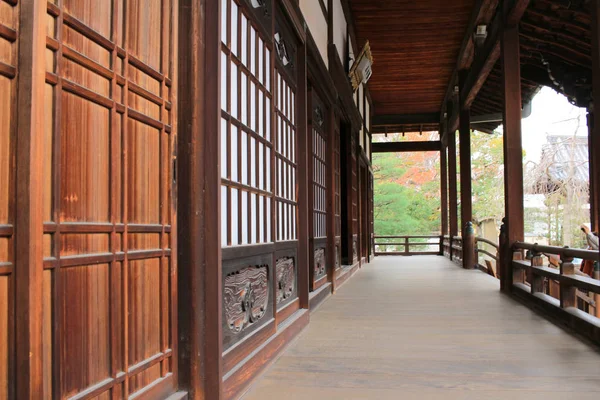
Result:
[{"x": 423, "y": 328}]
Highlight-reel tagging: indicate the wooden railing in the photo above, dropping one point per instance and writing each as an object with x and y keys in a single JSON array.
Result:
[
  {"x": 489, "y": 267},
  {"x": 406, "y": 245},
  {"x": 559, "y": 288}
]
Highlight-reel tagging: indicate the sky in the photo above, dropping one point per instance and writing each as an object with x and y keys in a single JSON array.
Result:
[{"x": 551, "y": 114}]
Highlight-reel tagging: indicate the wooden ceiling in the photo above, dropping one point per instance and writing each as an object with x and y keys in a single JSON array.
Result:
[{"x": 415, "y": 46}]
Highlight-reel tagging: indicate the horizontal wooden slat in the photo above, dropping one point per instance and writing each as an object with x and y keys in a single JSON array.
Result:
[
  {"x": 87, "y": 62},
  {"x": 86, "y": 93},
  {"x": 85, "y": 30},
  {"x": 7, "y": 70},
  {"x": 412, "y": 253},
  {"x": 145, "y": 68},
  {"x": 144, "y": 365},
  {"x": 8, "y": 33},
  {"x": 399, "y": 147},
  {"x": 138, "y": 116},
  {"x": 6, "y": 268},
  {"x": 520, "y": 264},
  {"x": 6, "y": 230}
]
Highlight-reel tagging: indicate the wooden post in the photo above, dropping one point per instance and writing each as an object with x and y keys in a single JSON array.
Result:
[
  {"x": 594, "y": 121},
  {"x": 537, "y": 281},
  {"x": 406, "y": 247},
  {"x": 199, "y": 215},
  {"x": 304, "y": 180},
  {"x": 468, "y": 246},
  {"x": 513, "y": 151},
  {"x": 453, "y": 200},
  {"x": 568, "y": 294},
  {"x": 331, "y": 196},
  {"x": 466, "y": 208},
  {"x": 443, "y": 186},
  {"x": 29, "y": 192}
]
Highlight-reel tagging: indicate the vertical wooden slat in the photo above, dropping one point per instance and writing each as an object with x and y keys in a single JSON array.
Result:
[
  {"x": 115, "y": 271},
  {"x": 513, "y": 151},
  {"x": 57, "y": 334},
  {"x": 29, "y": 190}
]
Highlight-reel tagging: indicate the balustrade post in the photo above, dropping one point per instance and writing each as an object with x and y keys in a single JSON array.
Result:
[
  {"x": 406, "y": 249},
  {"x": 468, "y": 246},
  {"x": 568, "y": 293},
  {"x": 537, "y": 281},
  {"x": 518, "y": 274},
  {"x": 504, "y": 262},
  {"x": 597, "y": 296}
]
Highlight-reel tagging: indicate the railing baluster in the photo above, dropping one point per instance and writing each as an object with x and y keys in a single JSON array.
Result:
[
  {"x": 537, "y": 281},
  {"x": 568, "y": 293}
]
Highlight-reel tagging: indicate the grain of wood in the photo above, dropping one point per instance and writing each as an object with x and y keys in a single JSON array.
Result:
[{"x": 422, "y": 328}]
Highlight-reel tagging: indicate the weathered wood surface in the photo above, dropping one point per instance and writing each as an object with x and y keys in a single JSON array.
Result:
[{"x": 373, "y": 340}]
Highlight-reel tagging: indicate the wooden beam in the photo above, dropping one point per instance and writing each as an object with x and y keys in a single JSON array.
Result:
[
  {"x": 484, "y": 61},
  {"x": 594, "y": 137},
  {"x": 29, "y": 217},
  {"x": 482, "y": 9},
  {"x": 513, "y": 151},
  {"x": 405, "y": 119},
  {"x": 403, "y": 147}
]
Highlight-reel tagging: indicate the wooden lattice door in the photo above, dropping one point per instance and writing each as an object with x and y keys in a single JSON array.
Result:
[{"x": 109, "y": 266}]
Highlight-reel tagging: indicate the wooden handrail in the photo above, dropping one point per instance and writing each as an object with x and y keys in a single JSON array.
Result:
[
  {"x": 408, "y": 236},
  {"x": 483, "y": 240},
  {"x": 405, "y": 241},
  {"x": 593, "y": 255}
]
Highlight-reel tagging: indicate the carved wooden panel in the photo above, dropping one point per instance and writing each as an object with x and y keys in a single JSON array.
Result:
[
  {"x": 247, "y": 301},
  {"x": 337, "y": 256},
  {"x": 319, "y": 264},
  {"x": 109, "y": 299},
  {"x": 245, "y": 296},
  {"x": 9, "y": 43},
  {"x": 286, "y": 279}
]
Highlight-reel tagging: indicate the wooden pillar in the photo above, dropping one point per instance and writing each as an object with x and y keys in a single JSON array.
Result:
[
  {"x": 199, "y": 214},
  {"x": 452, "y": 200},
  {"x": 513, "y": 151},
  {"x": 304, "y": 180},
  {"x": 29, "y": 189},
  {"x": 594, "y": 121},
  {"x": 593, "y": 161},
  {"x": 466, "y": 208},
  {"x": 331, "y": 118},
  {"x": 443, "y": 186}
]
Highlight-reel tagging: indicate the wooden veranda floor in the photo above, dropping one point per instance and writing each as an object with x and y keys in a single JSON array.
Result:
[{"x": 423, "y": 328}]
